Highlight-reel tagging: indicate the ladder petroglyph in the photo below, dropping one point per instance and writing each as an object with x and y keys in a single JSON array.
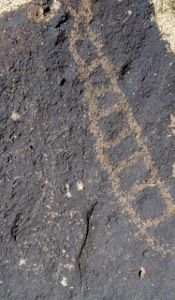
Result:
[{"x": 91, "y": 96}]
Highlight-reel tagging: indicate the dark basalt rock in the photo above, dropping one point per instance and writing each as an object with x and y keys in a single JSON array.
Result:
[{"x": 66, "y": 231}]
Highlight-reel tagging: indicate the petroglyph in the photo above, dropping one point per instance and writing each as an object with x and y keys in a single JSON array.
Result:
[
  {"x": 91, "y": 97},
  {"x": 87, "y": 139}
]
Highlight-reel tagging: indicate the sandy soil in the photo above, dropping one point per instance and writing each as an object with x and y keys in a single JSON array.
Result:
[
  {"x": 8, "y": 5},
  {"x": 165, "y": 19}
]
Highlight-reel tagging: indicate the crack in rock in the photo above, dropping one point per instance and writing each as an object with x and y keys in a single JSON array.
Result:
[
  {"x": 14, "y": 228},
  {"x": 88, "y": 216}
]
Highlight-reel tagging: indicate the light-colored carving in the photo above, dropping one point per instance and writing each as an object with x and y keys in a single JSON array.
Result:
[{"x": 92, "y": 96}]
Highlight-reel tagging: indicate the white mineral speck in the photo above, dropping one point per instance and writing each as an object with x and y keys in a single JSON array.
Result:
[
  {"x": 22, "y": 262},
  {"x": 80, "y": 185},
  {"x": 173, "y": 169},
  {"x": 15, "y": 116},
  {"x": 64, "y": 281},
  {"x": 68, "y": 194}
]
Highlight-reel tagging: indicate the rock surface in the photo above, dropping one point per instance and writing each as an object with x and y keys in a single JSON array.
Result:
[{"x": 87, "y": 153}]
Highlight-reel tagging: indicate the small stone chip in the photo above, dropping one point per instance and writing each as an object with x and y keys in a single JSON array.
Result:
[{"x": 142, "y": 272}]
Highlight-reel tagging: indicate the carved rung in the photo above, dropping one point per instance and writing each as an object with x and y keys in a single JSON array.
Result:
[
  {"x": 115, "y": 142},
  {"x": 129, "y": 161},
  {"x": 119, "y": 106}
]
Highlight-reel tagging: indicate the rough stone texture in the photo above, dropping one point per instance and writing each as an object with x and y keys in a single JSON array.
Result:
[{"x": 87, "y": 153}]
